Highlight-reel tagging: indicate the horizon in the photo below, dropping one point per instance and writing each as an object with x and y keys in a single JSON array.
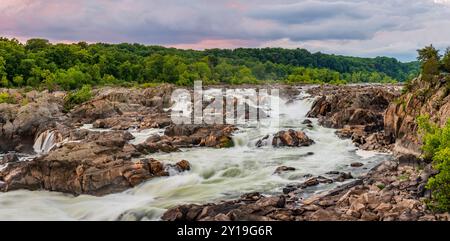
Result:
[{"x": 341, "y": 27}]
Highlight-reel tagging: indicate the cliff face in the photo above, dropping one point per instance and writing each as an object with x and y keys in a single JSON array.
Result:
[{"x": 420, "y": 98}]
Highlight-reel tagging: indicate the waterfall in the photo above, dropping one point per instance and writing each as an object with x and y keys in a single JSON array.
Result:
[
  {"x": 240, "y": 139},
  {"x": 46, "y": 141}
]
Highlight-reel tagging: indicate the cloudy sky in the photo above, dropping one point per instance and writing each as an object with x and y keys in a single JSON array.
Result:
[{"x": 352, "y": 27}]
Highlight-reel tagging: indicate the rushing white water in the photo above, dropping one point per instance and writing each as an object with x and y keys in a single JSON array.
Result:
[
  {"x": 47, "y": 140},
  {"x": 140, "y": 135},
  {"x": 215, "y": 174}
]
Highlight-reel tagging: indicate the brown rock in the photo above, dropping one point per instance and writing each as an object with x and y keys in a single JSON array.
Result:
[
  {"x": 291, "y": 138},
  {"x": 184, "y": 165},
  {"x": 356, "y": 164},
  {"x": 282, "y": 169}
]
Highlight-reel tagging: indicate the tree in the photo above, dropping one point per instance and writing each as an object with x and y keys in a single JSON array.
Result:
[
  {"x": 173, "y": 67},
  {"x": 153, "y": 67},
  {"x": 437, "y": 148},
  {"x": 446, "y": 60},
  {"x": 2, "y": 67},
  {"x": 72, "y": 78},
  {"x": 68, "y": 66},
  {"x": 202, "y": 70},
  {"x": 4, "y": 82},
  {"x": 18, "y": 80},
  {"x": 37, "y": 44},
  {"x": 430, "y": 61}
]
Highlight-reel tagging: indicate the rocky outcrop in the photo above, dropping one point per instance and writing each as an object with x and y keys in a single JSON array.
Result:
[
  {"x": 124, "y": 108},
  {"x": 99, "y": 165},
  {"x": 420, "y": 98},
  {"x": 390, "y": 192},
  {"x": 9, "y": 158},
  {"x": 357, "y": 111},
  {"x": 218, "y": 136},
  {"x": 19, "y": 123},
  {"x": 289, "y": 138}
]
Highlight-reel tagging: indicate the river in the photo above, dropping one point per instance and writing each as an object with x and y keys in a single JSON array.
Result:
[{"x": 216, "y": 174}]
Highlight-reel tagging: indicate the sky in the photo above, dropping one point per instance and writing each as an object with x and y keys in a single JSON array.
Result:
[{"x": 395, "y": 28}]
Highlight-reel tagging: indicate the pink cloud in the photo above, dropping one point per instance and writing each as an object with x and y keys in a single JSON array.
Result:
[
  {"x": 236, "y": 5},
  {"x": 214, "y": 43}
]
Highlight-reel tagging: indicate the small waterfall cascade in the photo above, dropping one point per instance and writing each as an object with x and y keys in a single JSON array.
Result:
[{"x": 47, "y": 140}]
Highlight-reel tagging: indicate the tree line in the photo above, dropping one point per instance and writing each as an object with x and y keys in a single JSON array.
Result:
[{"x": 39, "y": 63}]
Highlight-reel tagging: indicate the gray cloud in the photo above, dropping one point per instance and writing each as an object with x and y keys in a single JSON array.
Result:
[{"x": 367, "y": 28}]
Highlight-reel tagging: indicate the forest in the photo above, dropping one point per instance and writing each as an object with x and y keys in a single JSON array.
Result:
[{"x": 40, "y": 64}]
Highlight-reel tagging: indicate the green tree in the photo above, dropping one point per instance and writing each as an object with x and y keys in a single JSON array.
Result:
[
  {"x": 446, "y": 60},
  {"x": 437, "y": 148},
  {"x": 72, "y": 78},
  {"x": 37, "y": 44},
  {"x": 4, "y": 82},
  {"x": 173, "y": 67},
  {"x": 202, "y": 70},
  {"x": 243, "y": 76},
  {"x": 430, "y": 62},
  {"x": 18, "y": 80},
  {"x": 2, "y": 67},
  {"x": 78, "y": 97}
]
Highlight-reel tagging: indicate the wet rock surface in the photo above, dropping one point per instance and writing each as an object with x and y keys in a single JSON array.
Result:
[
  {"x": 100, "y": 165},
  {"x": 289, "y": 138},
  {"x": 357, "y": 111},
  {"x": 389, "y": 192},
  {"x": 218, "y": 136},
  {"x": 80, "y": 161}
]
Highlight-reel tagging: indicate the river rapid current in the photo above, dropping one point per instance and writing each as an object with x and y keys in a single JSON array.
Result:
[{"x": 216, "y": 174}]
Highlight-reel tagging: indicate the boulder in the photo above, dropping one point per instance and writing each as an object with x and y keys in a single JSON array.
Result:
[
  {"x": 9, "y": 158},
  {"x": 282, "y": 169},
  {"x": 291, "y": 138}
]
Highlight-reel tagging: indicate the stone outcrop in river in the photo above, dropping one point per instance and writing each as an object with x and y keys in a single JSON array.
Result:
[
  {"x": 34, "y": 111},
  {"x": 99, "y": 164},
  {"x": 289, "y": 138},
  {"x": 357, "y": 111}
]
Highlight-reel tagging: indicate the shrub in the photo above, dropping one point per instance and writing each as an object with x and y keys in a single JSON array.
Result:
[
  {"x": 436, "y": 146},
  {"x": 77, "y": 97},
  {"x": 6, "y": 98}
]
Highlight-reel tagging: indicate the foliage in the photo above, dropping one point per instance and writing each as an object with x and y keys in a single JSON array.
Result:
[
  {"x": 446, "y": 61},
  {"x": 437, "y": 147},
  {"x": 6, "y": 98},
  {"x": 39, "y": 63},
  {"x": 77, "y": 97},
  {"x": 430, "y": 62}
]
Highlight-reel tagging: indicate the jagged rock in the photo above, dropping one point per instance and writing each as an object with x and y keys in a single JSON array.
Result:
[
  {"x": 282, "y": 169},
  {"x": 358, "y": 111},
  {"x": 307, "y": 121},
  {"x": 218, "y": 136},
  {"x": 291, "y": 138},
  {"x": 356, "y": 164},
  {"x": 21, "y": 123},
  {"x": 184, "y": 165},
  {"x": 9, "y": 158},
  {"x": 99, "y": 165},
  {"x": 424, "y": 97}
]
